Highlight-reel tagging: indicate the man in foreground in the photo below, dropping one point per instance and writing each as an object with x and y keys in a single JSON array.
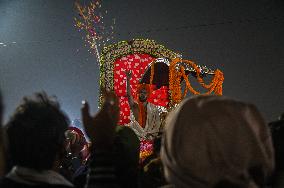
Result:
[{"x": 36, "y": 144}]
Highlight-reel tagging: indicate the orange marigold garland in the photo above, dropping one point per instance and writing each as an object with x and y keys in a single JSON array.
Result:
[
  {"x": 175, "y": 74},
  {"x": 174, "y": 83}
]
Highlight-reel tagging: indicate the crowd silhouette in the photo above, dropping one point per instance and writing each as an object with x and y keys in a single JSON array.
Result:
[{"x": 207, "y": 142}]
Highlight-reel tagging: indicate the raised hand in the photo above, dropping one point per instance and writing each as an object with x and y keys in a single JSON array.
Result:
[
  {"x": 101, "y": 127},
  {"x": 128, "y": 74}
]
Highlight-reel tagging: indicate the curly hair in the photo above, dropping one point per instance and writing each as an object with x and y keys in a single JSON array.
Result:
[{"x": 36, "y": 132}]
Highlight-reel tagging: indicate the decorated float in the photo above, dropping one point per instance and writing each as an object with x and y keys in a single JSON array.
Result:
[
  {"x": 151, "y": 63},
  {"x": 168, "y": 76}
]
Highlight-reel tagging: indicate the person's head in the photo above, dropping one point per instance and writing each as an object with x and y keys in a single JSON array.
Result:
[
  {"x": 36, "y": 132},
  {"x": 143, "y": 92},
  {"x": 143, "y": 95},
  {"x": 77, "y": 143},
  {"x": 213, "y": 141}
]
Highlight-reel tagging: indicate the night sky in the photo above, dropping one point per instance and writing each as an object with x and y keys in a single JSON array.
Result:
[{"x": 40, "y": 49}]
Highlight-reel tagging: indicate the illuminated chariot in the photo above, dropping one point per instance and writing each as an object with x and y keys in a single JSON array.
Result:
[{"x": 170, "y": 77}]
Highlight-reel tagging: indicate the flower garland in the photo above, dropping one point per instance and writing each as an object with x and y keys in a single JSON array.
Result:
[
  {"x": 113, "y": 52},
  {"x": 174, "y": 83},
  {"x": 146, "y": 149},
  {"x": 175, "y": 74}
]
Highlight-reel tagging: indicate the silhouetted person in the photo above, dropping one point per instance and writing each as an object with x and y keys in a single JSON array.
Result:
[
  {"x": 100, "y": 128},
  {"x": 36, "y": 143},
  {"x": 145, "y": 118},
  {"x": 74, "y": 162},
  {"x": 277, "y": 130},
  {"x": 216, "y": 142},
  {"x": 152, "y": 169}
]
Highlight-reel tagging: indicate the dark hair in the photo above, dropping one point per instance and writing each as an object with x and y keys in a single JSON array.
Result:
[{"x": 36, "y": 132}]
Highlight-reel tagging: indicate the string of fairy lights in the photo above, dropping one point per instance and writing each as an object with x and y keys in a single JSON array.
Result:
[{"x": 152, "y": 30}]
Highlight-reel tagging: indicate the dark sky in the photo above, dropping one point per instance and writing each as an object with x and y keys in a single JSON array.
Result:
[{"x": 40, "y": 49}]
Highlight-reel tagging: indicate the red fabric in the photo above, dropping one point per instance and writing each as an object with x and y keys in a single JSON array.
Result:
[
  {"x": 136, "y": 63},
  {"x": 159, "y": 97}
]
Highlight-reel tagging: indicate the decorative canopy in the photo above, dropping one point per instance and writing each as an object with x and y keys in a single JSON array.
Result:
[{"x": 153, "y": 64}]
